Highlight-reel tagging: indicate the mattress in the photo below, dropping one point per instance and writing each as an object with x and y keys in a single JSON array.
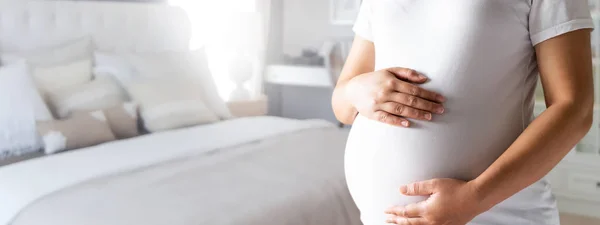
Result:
[{"x": 263, "y": 170}]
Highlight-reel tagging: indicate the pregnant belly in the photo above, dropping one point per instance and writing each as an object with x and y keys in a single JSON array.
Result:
[{"x": 380, "y": 158}]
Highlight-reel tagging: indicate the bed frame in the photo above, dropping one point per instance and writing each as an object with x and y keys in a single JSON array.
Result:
[{"x": 113, "y": 26}]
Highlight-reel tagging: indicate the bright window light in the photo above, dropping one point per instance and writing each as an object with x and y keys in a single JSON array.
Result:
[{"x": 212, "y": 22}]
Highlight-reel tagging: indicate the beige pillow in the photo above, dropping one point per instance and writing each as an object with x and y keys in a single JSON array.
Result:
[
  {"x": 122, "y": 120},
  {"x": 81, "y": 130},
  {"x": 52, "y": 78},
  {"x": 171, "y": 103},
  {"x": 101, "y": 93}
]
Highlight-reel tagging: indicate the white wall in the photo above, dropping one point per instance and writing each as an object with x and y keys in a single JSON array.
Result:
[
  {"x": 306, "y": 24},
  {"x": 297, "y": 24}
]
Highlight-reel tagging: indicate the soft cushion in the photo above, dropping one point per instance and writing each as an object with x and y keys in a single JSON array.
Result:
[
  {"x": 79, "y": 131},
  {"x": 171, "y": 103},
  {"x": 123, "y": 120},
  {"x": 128, "y": 67},
  {"x": 101, "y": 93},
  {"x": 51, "y": 78},
  {"x": 21, "y": 105}
]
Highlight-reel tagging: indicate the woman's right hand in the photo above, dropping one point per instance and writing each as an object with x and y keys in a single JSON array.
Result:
[{"x": 391, "y": 96}]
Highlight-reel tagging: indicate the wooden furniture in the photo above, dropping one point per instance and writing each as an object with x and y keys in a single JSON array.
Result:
[{"x": 255, "y": 107}]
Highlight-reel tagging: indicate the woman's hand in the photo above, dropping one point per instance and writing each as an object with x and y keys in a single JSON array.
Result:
[
  {"x": 390, "y": 96},
  {"x": 451, "y": 202}
]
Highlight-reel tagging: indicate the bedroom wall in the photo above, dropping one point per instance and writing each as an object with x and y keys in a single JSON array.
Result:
[
  {"x": 307, "y": 25},
  {"x": 300, "y": 24}
]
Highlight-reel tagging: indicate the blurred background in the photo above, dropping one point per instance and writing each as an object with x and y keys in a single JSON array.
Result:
[{"x": 266, "y": 71}]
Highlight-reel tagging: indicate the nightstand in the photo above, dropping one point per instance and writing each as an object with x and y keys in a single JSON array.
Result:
[
  {"x": 301, "y": 92},
  {"x": 249, "y": 108}
]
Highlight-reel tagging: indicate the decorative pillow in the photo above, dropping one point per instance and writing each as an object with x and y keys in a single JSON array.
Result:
[
  {"x": 79, "y": 131},
  {"x": 113, "y": 65},
  {"x": 46, "y": 56},
  {"x": 101, "y": 93},
  {"x": 17, "y": 76},
  {"x": 128, "y": 67},
  {"x": 55, "y": 77},
  {"x": 20, "y": 106},
  {"x": 123, "y": 120},
  {"x": 171, "y": 103}
]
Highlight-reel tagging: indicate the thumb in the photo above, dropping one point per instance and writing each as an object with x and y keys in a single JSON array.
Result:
[
  {"x": 424, "y": 188},
  {"x": 407, "y": 75}
]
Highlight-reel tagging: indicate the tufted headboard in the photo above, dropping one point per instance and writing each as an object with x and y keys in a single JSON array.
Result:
[{"x": 114, "y": 26}]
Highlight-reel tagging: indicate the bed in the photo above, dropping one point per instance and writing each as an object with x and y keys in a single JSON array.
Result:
[{"x": 228, "y": 172}]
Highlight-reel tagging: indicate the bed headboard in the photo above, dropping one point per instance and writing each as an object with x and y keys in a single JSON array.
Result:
[{"x": 114, "y": 26}]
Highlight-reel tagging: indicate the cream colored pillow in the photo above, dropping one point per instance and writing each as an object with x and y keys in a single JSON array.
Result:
[
  {"x": 171, "y": 103},
  {"x": 123, "y": 120},
  {"x": 101, "y": 93},
  {"x": 52, "y": 78},
  {"x": 81, "y": 130}
]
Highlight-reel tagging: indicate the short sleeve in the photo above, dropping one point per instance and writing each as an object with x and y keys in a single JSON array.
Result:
[
  {"x": 551, "y": 18},
  {"x": 362, "y": 26}
]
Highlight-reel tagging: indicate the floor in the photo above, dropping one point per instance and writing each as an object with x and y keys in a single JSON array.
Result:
[{"x": 570, "y": 219}]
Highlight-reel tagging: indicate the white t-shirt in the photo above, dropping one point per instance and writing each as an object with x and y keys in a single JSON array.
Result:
[{"x": 480, "y": 55}]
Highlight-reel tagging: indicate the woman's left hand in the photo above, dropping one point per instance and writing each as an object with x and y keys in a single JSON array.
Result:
[{"x": 450, "y": 202}]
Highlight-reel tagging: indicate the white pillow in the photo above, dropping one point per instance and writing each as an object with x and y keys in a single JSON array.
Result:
[
  {"x": 51, "y": 78},
  {"x": 20, "y": 107},
  {"x": 127, "y": 67},
  {"x": 72, "y": 50},
  {"x": 170, "y": 103},
  {"x": 114, "y": 65},
  {"x": 101, "y": 93}
]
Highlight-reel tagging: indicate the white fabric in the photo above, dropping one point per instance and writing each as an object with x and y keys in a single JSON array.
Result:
[
  {"x": 61, "y": 53},
  {"x": 21, "y": 105},
  {"x": 113, "y": 26},
  {"x": 101, "y": 93},
  {"x": 481, "y": 57},
  {"x": 171, "y": 103},
  {"x": 265, "y": 182},
  {"x": 54, "y": 173},
  {"x": 115, "y": 65},
  {"x": 128, "y": 67},
  {"x": 54, "y": 142},
  {"x": 60, "y": 76}
]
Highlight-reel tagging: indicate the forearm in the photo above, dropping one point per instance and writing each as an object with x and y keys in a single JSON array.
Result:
[
  {"x": 535, "y": 152},
  {"x": 342, "y": 108}
]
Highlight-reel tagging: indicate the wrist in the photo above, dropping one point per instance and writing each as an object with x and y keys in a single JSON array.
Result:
[{"x": 481, "y": 195}]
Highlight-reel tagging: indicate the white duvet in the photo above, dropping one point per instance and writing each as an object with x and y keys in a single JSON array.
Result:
[{"x": 25, "y": 183}]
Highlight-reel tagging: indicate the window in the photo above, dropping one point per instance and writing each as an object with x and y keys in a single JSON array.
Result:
[{"x": 227, "y": 29}]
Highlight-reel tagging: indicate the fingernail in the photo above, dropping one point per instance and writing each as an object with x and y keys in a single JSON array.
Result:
[
  {"x": 403, "y": 189},
  {"x": 405, "y": 123},
  {"x": 390, "y": 219},
  {"x": 422, "y": 76},
  {"x": 441, "y": 98},
  {"x": 440, "y": 110},
  {"x": 428, "y": 116}
]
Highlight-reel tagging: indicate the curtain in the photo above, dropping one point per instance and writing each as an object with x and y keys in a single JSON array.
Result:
[{"x": 235, "y": 34}]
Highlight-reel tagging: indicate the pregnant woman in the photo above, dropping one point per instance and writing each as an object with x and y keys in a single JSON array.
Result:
[{"x": 440, "y": 96}]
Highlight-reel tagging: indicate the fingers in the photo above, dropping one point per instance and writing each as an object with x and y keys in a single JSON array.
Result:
[
  {"x": 407, "y": 75},
  {"x": 398, "y": 109},
  {"x": 415, "y": 102},
  {"x": 417, "y": 91},
  {"x": 424, "y": 188},
  {"x": 406, "y": 221},
  {"x": 389, "y": 118},
  {"x": 409, "y": 211}
]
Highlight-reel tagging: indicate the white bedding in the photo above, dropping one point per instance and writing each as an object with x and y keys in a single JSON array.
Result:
[{"x": 25, "y": 183}]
